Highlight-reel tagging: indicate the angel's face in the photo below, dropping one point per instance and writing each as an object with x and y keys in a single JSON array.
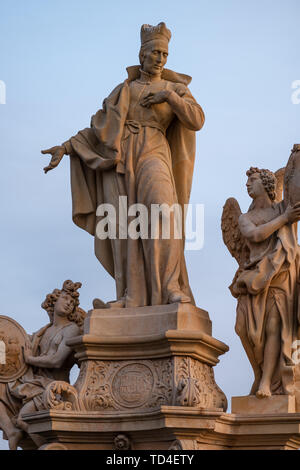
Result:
[{"x": 255, "y": 186}]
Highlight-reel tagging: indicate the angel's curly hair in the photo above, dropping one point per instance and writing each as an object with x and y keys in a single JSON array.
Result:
[
  {"x": 268, "y": 180},
  {"x": 78, "y": 314}
]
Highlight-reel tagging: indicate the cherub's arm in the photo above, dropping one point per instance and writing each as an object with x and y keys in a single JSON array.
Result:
[
  {"x": 258, "y": 234},
  {"x": 56, "y": 360}
]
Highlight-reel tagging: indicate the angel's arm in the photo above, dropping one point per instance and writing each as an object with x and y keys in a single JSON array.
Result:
[{"x": 258, "y": 234}]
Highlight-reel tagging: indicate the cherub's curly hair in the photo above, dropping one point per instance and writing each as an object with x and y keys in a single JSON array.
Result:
[
  {"x": 268, "y": 180},
  {"x": 78, "y": 314}
]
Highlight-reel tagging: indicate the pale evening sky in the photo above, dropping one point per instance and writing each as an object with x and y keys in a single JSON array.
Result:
[{"x": 61, "y": 58}]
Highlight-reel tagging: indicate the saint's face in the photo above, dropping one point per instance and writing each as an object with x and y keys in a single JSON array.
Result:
[
  {"x": 255, "y": 186},
  {"x": 155, "y": 58},
  {"x": 64, "y": 305}
]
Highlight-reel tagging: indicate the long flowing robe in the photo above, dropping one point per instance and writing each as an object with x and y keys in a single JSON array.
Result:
[
  {"x": 148, "y": 156},
  {"x": 271, "y": 279}
]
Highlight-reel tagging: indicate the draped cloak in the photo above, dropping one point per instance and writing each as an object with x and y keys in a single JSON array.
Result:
[{"x": 97, "y": 151}]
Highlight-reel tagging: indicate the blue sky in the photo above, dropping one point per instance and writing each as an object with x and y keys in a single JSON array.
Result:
[{"x": 59, "y": 59}]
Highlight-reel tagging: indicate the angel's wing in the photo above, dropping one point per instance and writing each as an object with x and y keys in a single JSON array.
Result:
[
  {"x": 232, "y": 236},
  {"x": 234, "y": 239},
  {"x": 280, "y": 180}
]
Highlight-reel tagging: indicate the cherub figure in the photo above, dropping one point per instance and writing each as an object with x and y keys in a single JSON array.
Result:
[
  {"x": 48, "y": 358},
  {"x": 264, "y": 243}
]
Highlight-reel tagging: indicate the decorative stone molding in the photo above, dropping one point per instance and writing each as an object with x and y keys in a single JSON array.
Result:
[
  {"x": 125, "y": 385},
  {"x": 184, "y": 444},
  {"x": 147, "y": 385},
  {"x": 196, "y": 385},
  {"x": 53, "y": 446},
  {"x": 62, "y": 396},
  {"x": 122, "y": 442},
  {"x": 176, "y": 445}
]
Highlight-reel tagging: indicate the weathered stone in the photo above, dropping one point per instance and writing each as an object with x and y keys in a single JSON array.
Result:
[{"x": 252, "y": 405}]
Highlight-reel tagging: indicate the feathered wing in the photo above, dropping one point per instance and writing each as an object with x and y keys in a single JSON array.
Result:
[{"x": 233, "y": 237}]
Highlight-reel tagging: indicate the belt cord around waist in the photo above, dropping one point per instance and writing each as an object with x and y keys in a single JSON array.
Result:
[{"x": 135, "y": 126}]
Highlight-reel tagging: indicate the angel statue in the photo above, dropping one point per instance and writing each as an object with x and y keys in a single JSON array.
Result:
[
  {"x": 42, "y": 358},
  {"x": 264, "y": 243}
]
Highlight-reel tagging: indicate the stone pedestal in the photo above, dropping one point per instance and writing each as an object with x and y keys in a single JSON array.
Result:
[
  {"x": 277, "y": 431},
  {"x": 146, "y": 382},
  {"x": 136, "y": 360},
  {"x": 144, "y": 372},
  {"x": 275, "y": 404},
  {"x": 259, "y": 424}
]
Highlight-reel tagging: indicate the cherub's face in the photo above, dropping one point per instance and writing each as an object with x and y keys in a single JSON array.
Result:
[
  {"x": 255, "y": 186},
  {"x": 64, "y": 305}
]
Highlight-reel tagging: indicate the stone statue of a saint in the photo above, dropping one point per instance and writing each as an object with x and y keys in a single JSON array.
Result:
[
  {"x": 48, "y": 359},
  {"x": 140, "y": 145},
  {"x": 264, "y": 243}
]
